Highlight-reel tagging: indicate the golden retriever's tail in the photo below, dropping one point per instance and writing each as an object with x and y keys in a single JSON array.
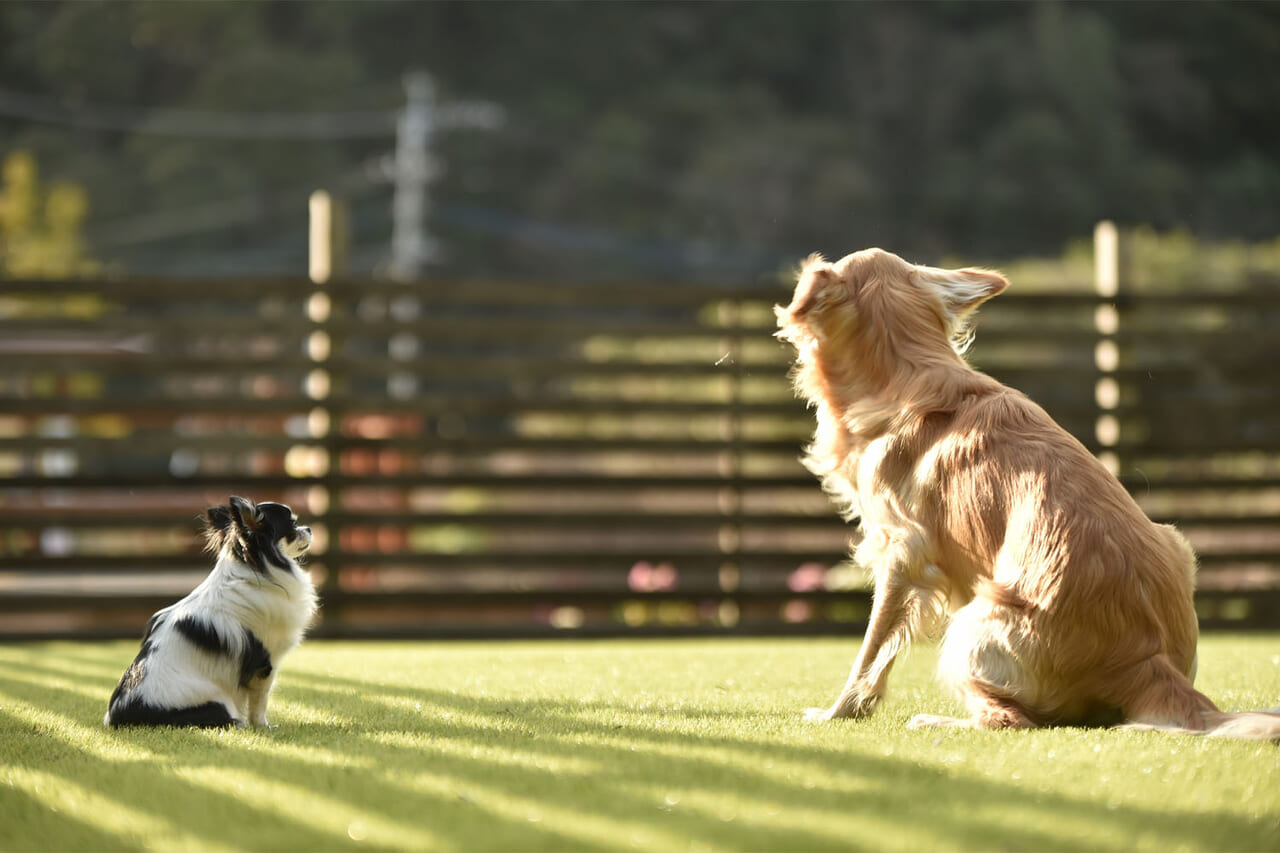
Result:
[{"x": 1158, "y": 697}]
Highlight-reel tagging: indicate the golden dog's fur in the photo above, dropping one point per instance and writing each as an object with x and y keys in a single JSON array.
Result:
[{"x": 1065, "y": 603}]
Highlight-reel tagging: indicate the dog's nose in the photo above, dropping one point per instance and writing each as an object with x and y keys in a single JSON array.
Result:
[{"x": 306, "y": 530}]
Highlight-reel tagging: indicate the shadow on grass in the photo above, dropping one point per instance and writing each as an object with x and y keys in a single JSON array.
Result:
[
  {"x": 175, "y": 805},
  {"x": 25, "y": 827},
  {"x": 183, "y": 805},
  {"x": 561, "y": 774},
  {"x": 886, "y": 794}
]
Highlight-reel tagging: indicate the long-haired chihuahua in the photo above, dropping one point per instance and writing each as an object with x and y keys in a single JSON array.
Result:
[
  {"x": 212, "y": 658},
  {"x": 1063, "y": 603}
]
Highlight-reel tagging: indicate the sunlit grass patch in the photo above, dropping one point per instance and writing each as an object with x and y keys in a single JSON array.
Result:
[{"x": 646, "y": 744}]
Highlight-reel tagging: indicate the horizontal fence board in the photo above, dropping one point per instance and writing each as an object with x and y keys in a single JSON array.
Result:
[
  {"x": 551, "y": 482},
  {"x": 547, "y": 519},
  {"x": 700, "y": 558}
]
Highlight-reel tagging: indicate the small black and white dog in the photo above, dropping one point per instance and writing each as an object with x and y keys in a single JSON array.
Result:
[{"x": 211, "y": 659}]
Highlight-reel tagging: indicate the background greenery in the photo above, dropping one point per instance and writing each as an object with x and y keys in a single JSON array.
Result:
[
  {"x": 655, "y": 139},
  {"x": 652, "y": 745}
]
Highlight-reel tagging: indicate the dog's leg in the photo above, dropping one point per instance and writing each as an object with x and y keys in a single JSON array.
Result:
[
  {"x": 981, "y": 660},
  {"x": 997, "y": 720},
  {"x": 988, "y": 708},
  {"x": 259, "y": 691},
  {"x": 897, "y": 555},
  {"x": 886, "y": 634},
  {"x": 990, "y": 712}
]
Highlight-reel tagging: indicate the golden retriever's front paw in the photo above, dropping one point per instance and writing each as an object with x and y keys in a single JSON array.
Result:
[{"x": 848, "y": 706}]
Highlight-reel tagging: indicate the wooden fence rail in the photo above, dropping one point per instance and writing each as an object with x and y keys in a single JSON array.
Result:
[{"x": 492, "y": 459}]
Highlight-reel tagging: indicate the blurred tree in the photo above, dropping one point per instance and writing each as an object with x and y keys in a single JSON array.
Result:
[
  {"x": 659, "y": 138},
  {"x": 39, "y": 226}
]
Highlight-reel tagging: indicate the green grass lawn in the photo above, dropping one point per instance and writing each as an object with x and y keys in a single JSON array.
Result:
[{"x": 566, "y": 745}]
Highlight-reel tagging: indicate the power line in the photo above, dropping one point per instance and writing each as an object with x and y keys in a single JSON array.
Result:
[
  {"x": 360, "y": 124},
  {"x": 608, "y": 241},
  {"x": 209, "y": 216}
]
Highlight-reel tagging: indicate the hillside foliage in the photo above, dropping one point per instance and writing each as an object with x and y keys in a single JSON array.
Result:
[{"x": 652, "y": 139}]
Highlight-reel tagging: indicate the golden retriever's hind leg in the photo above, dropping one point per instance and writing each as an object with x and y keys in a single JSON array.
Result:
[
  {"x": 989, "y": 712},
  {"x": 936, "y": 721}
]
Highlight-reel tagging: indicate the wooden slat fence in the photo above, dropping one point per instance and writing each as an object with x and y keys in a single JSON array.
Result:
[{"x": 500, "y": 459}]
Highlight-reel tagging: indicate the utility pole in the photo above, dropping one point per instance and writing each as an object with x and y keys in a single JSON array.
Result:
[{"x": 413, "y": 167}]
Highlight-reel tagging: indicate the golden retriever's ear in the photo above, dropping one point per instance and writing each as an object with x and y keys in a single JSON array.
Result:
[
  {"x": 961, "y": 291},
  {"x": 816, "y": 275}
]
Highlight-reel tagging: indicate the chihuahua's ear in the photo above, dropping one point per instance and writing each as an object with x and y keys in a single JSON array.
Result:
[
  {"x": 246, "y": 514},
  {"x": 217, "y": 527},
  {"x": 217, "y": 518}
]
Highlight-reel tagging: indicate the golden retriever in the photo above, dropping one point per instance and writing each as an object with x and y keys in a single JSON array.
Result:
[{"x": 1064, "y": 604}]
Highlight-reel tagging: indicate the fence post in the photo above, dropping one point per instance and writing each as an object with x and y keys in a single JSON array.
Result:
[
  {"x": 326, "y": 256},
  {"x": 1106, "y": 351}
]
